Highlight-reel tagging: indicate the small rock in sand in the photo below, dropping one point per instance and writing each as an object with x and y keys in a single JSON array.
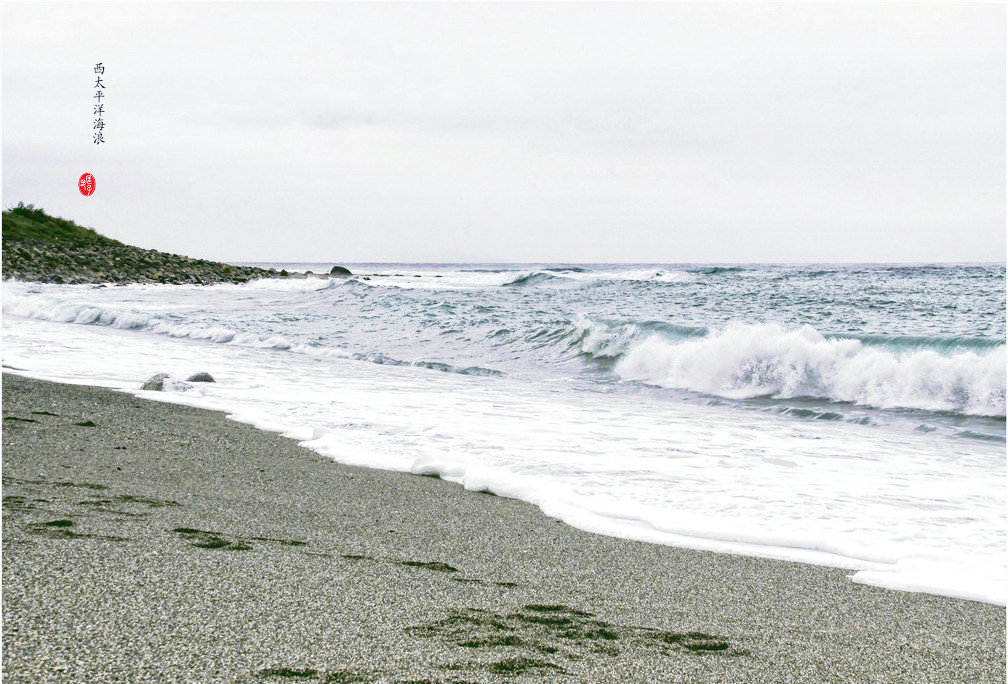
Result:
[{"x": 156, "y": 383}]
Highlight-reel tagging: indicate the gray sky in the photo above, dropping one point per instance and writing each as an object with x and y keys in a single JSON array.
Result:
[{"x": 572, "y": 132}]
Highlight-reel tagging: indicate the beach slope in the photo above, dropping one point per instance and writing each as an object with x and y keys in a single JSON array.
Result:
[{"x": 152, "y": 542}]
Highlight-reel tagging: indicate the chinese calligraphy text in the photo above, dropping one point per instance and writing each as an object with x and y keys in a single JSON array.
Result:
[{"x": 98, "y": 128}]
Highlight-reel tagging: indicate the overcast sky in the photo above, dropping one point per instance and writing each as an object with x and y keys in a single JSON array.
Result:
[{"x": 575, "y": 132}]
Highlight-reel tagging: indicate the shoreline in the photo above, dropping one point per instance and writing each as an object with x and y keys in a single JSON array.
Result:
[{"x": 167, "y": 542}]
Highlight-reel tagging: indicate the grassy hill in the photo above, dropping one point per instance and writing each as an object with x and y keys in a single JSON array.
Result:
[
  {"x": 25, "y": 222},
  {"x": 40, "y": 247}
]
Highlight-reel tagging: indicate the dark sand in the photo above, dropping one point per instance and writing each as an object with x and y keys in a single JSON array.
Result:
[{"x": 164, "y": 543}]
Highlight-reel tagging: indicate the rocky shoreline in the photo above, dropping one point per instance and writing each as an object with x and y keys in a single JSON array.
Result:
[
  {"x": 51, "y": 263},
  {"x": 42, "y": 248}
]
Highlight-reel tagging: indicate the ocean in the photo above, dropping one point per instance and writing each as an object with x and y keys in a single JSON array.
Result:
[{"x": 844, "y": 415}]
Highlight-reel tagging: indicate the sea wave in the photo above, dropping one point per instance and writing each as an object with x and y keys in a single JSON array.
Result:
[
  {"x": 743, "y": 361},
  {"x": 718, "y": 270},
  {"x": 293, "y": 284},
  {"x": 531, "y": 278},
  {"x": 602, "y": 340},
  {"x": 942, "y": 343},
  {"x": 954, "y": 373},
  {"x": 61, "y": 311},
  {"x": 580, "y": 276},
  {"x": 385, "y": 360}
]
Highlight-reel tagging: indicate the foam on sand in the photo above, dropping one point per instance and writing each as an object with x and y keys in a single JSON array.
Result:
[{"x": 904, "y": 511}]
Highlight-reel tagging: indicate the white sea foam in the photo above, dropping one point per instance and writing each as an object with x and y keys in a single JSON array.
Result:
[
  {"x": 902, "y": 511},
  {"x": 63, "y": 311},
  {"x": 655, "y": 275},
  {"x": 46, "y": 308},
  {"x": 587, "y": 277},
  {"x": 312, "y": 283},
  {"x": 738, "y": 361},
  {"x": 742, "y": 361},
  {"x": 474, "y": 279}
]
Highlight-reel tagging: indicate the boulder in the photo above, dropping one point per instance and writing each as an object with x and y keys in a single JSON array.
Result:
[
  {"x": 200, "y": 377},
  {"x": 155, "y": 383},
  {"x": 339, "y": 271},
  {"x": 162, "y": 382}
]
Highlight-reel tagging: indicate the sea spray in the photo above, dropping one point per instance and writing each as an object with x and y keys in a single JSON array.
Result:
[{"x": 743, "y": 361}]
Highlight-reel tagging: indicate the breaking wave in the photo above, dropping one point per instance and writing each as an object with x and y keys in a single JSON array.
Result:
[
  {"x": 745, "y": 361},
  {"x": 585, "y": 277},
  {"x": 61, "y": 311},
  {"x": 606, "y": 340},
  {"x": 535, "y": 278},
  {"x": 953, "y": 373}
]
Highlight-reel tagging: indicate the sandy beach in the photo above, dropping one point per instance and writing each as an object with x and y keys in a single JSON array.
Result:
[{"x": 153, "y": 542}]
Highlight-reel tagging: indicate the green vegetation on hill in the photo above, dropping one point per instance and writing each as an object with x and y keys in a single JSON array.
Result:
[
  {"x": 25, "y": 222},
  {"x": 40, "y": 247}
]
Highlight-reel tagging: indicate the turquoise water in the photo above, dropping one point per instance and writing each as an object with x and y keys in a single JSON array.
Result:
[
  {"x": 864, "y": 343},
  {"x": 917, "y": 346}
]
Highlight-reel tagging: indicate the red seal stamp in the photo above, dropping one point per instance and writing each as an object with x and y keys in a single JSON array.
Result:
[{"x": 86, "y": 184}]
